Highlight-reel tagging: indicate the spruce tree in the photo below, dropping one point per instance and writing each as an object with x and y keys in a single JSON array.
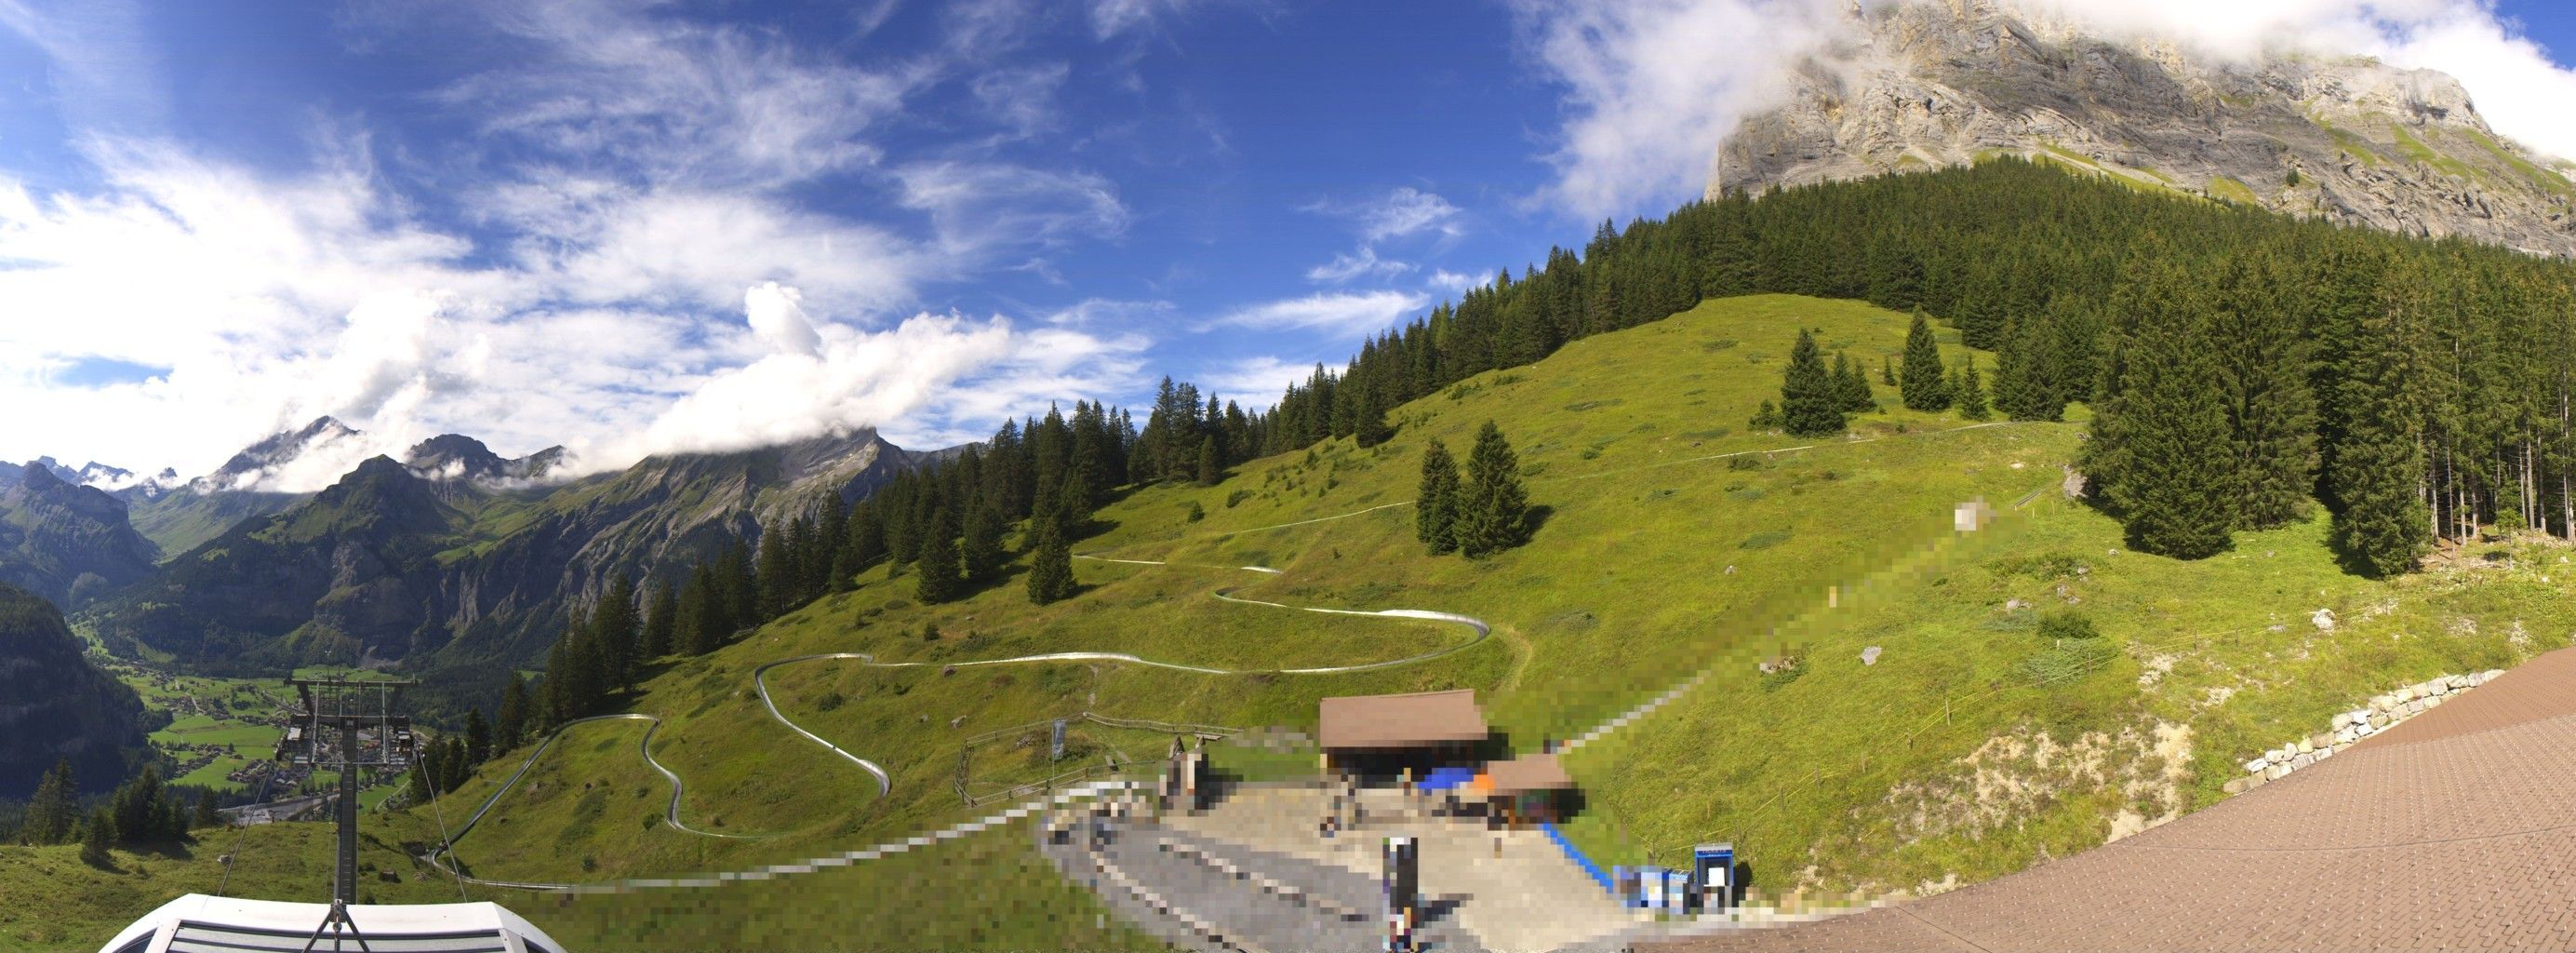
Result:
[
  {"x": 2176, "y": 489},
  {"x": 2025, "y": 373},
  {"x": 1493, "y": 509},
  {"x": 1923, "y": 386},
  {"x": 1050, "y": 564},
  {"x": 777, "y": 582},
  {"x": 98, "y": 835},
  {"x": 980, "y": 550},
  {"x": 1435, "y": 510},
  {"x": 512, "y": 722},
  {"x": 661, "y": 623},
  {"x": 613, "y": 630},
  {"x": 1851, "y": 386},
  {"x": 2270, "y": 411},
  {"x": 1970, "y": 391},
  {"x": 1211, "y": 469},
  {"x": 1767, "y": 418},
  {"x": 1810, "y": 405},
  {"x": 478, "y": 737},
  {"x": 1887, "y": 370},
  {"x": 2379, "y": 468},
  {"x": 54, "y": 811},
  {"x": 939, "y": 563},
  {"x": 205, "y": 815}
]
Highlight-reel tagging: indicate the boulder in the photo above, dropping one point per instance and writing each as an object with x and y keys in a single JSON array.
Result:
[
  {"x": 2490, "y": 674},
  {"x": 2305, "y": 746},
  {"x": 2342, "y": 720},
  {"x": 2378, "y": 720},
  {"x": 2303, "y": 760},
  {"x": 2233, "y": 786},
  {"x": 2320, "y": 739},
  {"x": 2257, "y": 765}
]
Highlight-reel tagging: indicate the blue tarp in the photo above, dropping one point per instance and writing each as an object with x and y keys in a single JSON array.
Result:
[
  {"x": 1576, "y": 854},
  {"x": 1442, "y": 779}
]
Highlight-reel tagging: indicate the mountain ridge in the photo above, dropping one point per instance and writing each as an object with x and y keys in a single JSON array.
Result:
[{"x": 1924, "y": 85}]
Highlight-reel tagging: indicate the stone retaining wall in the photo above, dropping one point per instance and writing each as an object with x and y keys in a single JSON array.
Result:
[{"x": 2350, "y": 727}]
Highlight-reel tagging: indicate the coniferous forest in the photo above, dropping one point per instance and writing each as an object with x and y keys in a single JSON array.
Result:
[{"x": 2241, "y": 367}]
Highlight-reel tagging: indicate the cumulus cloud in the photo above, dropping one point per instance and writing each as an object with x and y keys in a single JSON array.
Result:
[
  {"x": 1258, "y": 381},
  {"x": 929, "y": 373},
  {"x": 775, "y": 318},
  {"x": 1649, "y": 87},
  {"x": 620, "y": 258},
  {"x": 1340, "y": 313}
]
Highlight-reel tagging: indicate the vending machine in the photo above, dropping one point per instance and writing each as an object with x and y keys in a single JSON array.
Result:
[{"x": 1713, "y": 871}]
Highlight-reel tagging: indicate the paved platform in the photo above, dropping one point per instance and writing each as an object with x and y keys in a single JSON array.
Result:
[
  {"x": 1514, "y": 891},
  {"x": 2455, "y": 830}
]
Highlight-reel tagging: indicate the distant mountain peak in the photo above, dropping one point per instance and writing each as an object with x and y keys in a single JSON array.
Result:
[{"x": 459, "y": 458}]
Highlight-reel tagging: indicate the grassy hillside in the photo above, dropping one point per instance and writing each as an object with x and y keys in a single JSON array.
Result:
[
  {"x": 1673, "y": 542},
  {"x": 1633, "y": 443}
]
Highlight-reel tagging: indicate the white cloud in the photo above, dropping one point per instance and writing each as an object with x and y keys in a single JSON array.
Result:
[
  {"x": 1021, "y": 97},
  {"x": 1091, "y": 312},
  {"x": 925, "y": 377},
  {"x": 1365, "y": 264},
  {"x": 1341, "y": 313},
  {"x": 1111, "y": 18},
  {"x": 977, "y": 207},
  {"x": 1450, "y": 281},
  {"x": 1256, "y": 382},
  {"x": 670, "y": 100},
  {"x": 1650, "y": 86},
  {"x": 1401, "y": 212},
  {"x": 776, "y": 318}
]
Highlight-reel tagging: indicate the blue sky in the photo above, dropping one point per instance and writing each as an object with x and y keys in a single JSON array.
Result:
[{"x": 645, "y": 227}]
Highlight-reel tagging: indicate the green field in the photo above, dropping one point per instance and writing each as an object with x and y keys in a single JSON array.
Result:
[
  {"x": 218, "y": 712},
  {"x": 1673, "y": 542}
]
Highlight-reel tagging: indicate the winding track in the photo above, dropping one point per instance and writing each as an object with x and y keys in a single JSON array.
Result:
[{"x": 884, "y": 782}]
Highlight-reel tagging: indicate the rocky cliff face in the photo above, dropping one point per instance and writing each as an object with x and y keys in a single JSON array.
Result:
[
  {"x": 54, "y": 705},
  {"x": 68, "y": 543},
  {"x": 1923, "y": 85}
]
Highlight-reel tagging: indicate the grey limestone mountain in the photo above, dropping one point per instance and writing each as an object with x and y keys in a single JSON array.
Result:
[{"x": 1921, "y": 85}]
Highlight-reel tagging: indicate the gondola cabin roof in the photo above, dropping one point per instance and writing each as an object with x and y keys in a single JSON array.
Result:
[{"x": 197, "y": 923}]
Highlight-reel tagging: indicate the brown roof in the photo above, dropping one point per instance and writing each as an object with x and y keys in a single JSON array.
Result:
[
  {"x": 1521, "y": 775},
  {"x": 1417, "y": 720}
]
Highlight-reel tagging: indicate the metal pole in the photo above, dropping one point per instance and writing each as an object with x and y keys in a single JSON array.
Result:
[{"x": 348, "y": 813}]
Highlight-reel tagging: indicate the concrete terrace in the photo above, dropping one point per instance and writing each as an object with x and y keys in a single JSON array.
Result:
[{"x": 2453, "y": 830}]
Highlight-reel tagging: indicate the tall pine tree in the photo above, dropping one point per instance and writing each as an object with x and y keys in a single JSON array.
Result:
[
  {"x": 1493, "y": 509},
  {"x": 1810, "y": 403},
  {"x": 940, "y": 564},
  {"x": 2175, "y": 484},
  {"x": 1435, "y": 510},
  {"x": 1050, "y": 564},
  {"x": 1923, "y": 386}
]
